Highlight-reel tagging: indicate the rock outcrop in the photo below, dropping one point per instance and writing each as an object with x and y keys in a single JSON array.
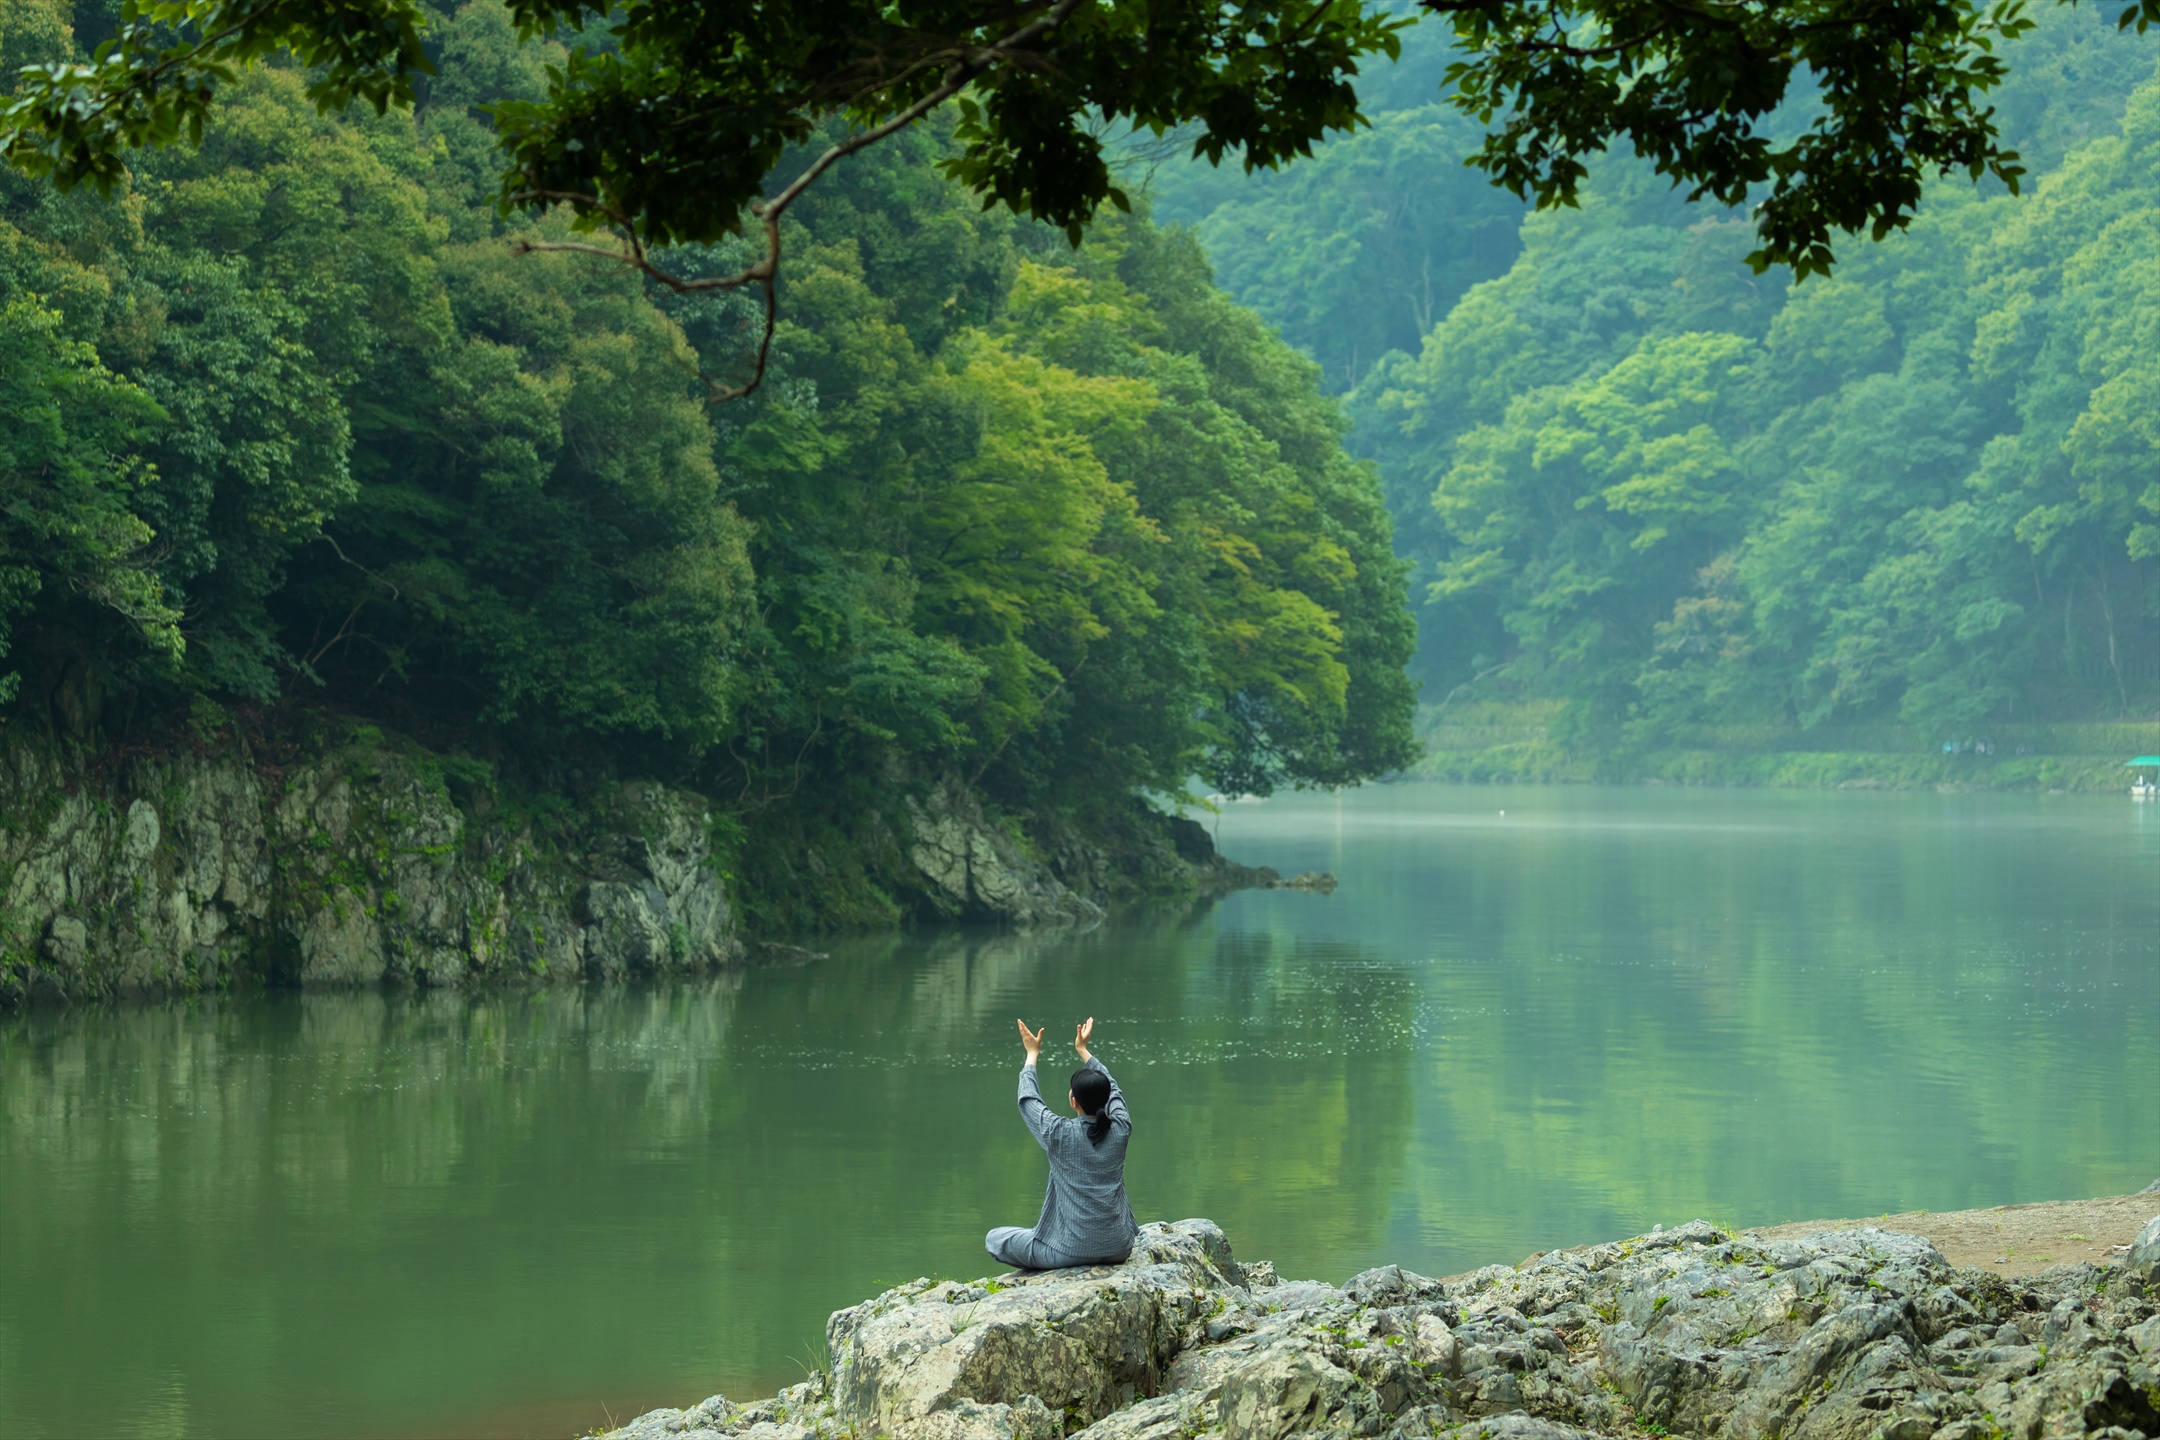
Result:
[
  {"x": 972, "y": 866},
  {"x": 978, "y": 870},
  {"x": 1847, "y": 1335},
  {"x": 355, "y": 866},
  {"x": 331, "y": 854}
]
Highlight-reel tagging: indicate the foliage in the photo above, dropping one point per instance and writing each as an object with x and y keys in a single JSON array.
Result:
[
  {"x": 1900, "y": 91},
  {"x": 740, "y": 87},
  {"x": 156, "y": 79},
  {"x": 1108, "y": 532},
  {"x": 388, "y": 464},
  {"x": 1070, "y": 528},
  {"x": 668, "y": 122},
  {"x": 1363, "y": 248},
  {"x": 69, "y": 467},
  {"x": 1636, "y": 478}
]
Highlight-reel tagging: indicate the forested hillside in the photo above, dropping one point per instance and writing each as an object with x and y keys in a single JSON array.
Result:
[
  {"x": 1644, "y": 484},
  {"x": 286, "y": 427}
]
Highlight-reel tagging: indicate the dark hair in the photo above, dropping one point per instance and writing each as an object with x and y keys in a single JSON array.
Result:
[{"x": 1092, "y": 1089}]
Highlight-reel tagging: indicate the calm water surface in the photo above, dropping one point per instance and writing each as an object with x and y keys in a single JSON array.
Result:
[{"x": 370, "y": 1216}]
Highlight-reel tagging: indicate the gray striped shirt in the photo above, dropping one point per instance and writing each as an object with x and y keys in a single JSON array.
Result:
[{"x": 1085, "y": 1212}]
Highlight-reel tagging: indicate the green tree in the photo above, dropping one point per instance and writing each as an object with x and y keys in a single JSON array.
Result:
[
  {"x": 1057, "y": 529},
  {"x": 1364, "y": 248},
  {"x": 1919, "y": 495},
  {"x": 73, "y": 552},
  {"x": 1899, "y": 93}
]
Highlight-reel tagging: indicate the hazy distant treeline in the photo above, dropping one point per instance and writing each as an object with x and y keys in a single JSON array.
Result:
[{"x": 1634, "y": 476}]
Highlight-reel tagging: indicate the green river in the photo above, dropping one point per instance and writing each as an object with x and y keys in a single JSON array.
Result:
[{"x": 374, "y": 1215}]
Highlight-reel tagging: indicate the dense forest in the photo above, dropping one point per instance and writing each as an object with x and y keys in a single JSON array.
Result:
[
  {"x": 291, "y": 428},
  {"x": 1640, "y": 481},
  {"x": 288, "y": 424}
]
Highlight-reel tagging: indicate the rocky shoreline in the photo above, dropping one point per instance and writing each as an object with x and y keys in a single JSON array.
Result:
[
  {"x": 1857, "y": 1334},
  {"x": 352, "y": 857}
]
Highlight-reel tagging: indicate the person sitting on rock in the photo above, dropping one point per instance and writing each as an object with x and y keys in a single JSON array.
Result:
[{"x": 1086, "y": 1219}]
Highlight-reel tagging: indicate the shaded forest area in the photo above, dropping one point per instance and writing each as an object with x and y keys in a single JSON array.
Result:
[
  {"x": 290, "y": 431},
  {"x": 1650, "y": 496}
]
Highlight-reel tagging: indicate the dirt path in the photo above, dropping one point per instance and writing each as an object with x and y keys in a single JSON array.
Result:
[{"x": 2011, "y": 1239}]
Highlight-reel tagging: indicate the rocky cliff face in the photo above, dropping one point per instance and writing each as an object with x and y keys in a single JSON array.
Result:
[
  {"x": 966, "y": 865},
  {"x": 349, "y": 861},
  {"x": 1849, "y": 1335},
  {"x": 354, "y": 867}
]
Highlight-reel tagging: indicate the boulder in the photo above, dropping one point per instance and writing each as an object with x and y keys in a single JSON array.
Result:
[
  {"x": 1081, "y": 1342},
  {"x": 1292, "y": 1388},
  {"x": 1390, "y": 1285},
  {"x": 1850, "y": 1335}
]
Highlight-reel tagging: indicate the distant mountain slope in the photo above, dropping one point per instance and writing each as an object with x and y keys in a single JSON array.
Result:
[{"x": 1634, "y": 477}]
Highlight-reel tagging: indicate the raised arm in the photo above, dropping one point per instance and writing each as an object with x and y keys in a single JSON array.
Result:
[
  {"x": 1116, "y": 1110},
  {"x": 1032, "y": 1110}
]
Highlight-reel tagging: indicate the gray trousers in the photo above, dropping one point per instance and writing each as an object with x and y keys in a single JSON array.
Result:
[{"x": 1020, "y": 1249}]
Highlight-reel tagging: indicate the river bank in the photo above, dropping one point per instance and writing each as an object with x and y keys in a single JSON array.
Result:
[
  {"x": 322, "y": 852},
  {"x": 1850, "y": 1333},
  {"x": 2012, "y": 1240}
]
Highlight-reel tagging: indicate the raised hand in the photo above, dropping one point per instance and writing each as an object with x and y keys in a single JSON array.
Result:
[
  {"x": 1081, "y": 1032},
  {"x": 1032, "y": 1041}
]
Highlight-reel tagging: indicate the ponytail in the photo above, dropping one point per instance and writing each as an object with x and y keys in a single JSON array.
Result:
[{"x": 1091, "y": 1088}]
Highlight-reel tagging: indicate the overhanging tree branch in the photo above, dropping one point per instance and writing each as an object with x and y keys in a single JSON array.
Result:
[{"x": 764, "y": 272}]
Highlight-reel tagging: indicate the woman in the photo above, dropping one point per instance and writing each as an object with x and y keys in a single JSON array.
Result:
[{"x": 1086, "y": 1219}]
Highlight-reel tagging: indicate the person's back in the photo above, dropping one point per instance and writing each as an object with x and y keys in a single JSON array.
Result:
[{"x": 1086, "y": 1218}]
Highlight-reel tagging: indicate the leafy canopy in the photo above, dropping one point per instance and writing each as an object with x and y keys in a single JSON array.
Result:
[
  {"x": 1900, "y": 89},
  {"x": 666, "y": 121},
  {"x": 1690, "y": 502},
  {"x": 670, "y": 117}
]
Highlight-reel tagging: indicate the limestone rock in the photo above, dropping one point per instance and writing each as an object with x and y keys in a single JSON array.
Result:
[
  {"x": 2145, "y": 1250},
  {"x": 1138, "y": 852},
  {"x": 1082, "y": 1342},
  {"x": 1436, "y": 1349},
  {"x": 696, "y": 1423},
  {"x": 1302, "y": 1295},
  {"x": 1517, "y": 1427},
  {"x": 1294, "y": 1388},
  {"x": 351, "y": 867},
  {"x": 977, "y": 870},
  {"x": 1391, "y": 1285},
  {"x": 1852, "y": 1335},
  {"x": 1165, "y": 1417}
]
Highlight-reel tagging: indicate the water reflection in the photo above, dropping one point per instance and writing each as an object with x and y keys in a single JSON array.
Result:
[{"x": 370, "y": 1215}]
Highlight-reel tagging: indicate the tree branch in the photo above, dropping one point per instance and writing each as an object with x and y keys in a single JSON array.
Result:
[{"x": 765, "y": 272}]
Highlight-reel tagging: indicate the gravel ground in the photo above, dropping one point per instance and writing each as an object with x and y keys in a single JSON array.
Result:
[{"x": 2011, "y": 1240}]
